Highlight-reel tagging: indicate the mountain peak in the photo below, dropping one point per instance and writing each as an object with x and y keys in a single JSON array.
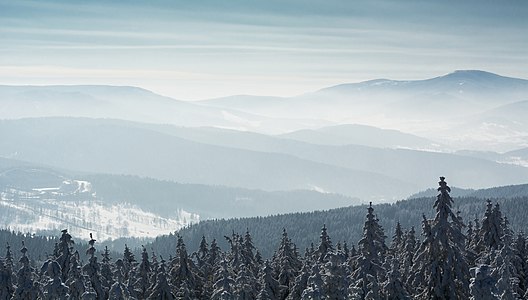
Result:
[{"x": 471, "y": 73}]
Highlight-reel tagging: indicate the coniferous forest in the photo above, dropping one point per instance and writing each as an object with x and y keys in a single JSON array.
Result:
[{"x": 447, "y": 258}]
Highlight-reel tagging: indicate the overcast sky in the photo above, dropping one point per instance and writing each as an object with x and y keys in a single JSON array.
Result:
[{"x": 203, "y": 49}]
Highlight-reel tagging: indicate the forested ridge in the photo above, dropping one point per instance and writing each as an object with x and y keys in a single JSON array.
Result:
[
  {"x": 344, "y": 224},
  {"x": 447, "y": 257}
]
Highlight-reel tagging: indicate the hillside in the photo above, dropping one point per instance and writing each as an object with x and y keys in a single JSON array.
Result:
[
  {"x": 133, "y": 104},
  {"x": 43, "y": 200},
  {"x": 98, "y": 146},
  {"x": 355, "y": 134},
  {"x": 346, "y": 224}
]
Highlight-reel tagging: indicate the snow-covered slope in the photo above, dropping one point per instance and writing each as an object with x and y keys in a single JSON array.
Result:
[{"x": 74, "y": 206}]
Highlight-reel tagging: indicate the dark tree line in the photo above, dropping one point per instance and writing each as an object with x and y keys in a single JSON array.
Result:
[
  {"x": 345, "y": 223},
  {"x": 452, "y": 258}
]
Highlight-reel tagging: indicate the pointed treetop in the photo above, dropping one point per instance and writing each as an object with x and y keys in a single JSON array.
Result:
[
  {"x": 92, "y": 240},
  {"x": 443, "y": 186}
]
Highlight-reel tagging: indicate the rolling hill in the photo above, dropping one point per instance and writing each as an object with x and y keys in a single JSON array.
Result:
[{"x": 95, "y": 146}]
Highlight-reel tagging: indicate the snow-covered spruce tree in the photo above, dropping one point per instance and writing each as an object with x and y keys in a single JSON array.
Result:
[
  {"x": 301, "y": 283},
  {"x": 407, "y": 254},
  {"x": 245, "y": 287},
  {"x": 397, "y": 239},
  {"x": 107, "y": 279},
  {"x": 417, "y": 276},
  {"x": 215, "y": 254},
  {"x": 154, "y": 268},
  {"x": 65, "y": 250},
  {"x": 393, "y": 288},
  {"x": 161, "y": 289},
  {"x": 314, "y": 286},
  {"x": 132, "y": 277},
  {"x": 474, "y": 238},
  {"x": 235, "y": 255},
  {"x": 248, "y": 256},
  {"x": 8, "y": 259},
  {"x": 142, "y": 284},
  {"x": 75, "y": 282},
  {"x": 441, "y": 270},
  {"x": 325, "y": 245},
  {"x": 521, "y": 261},
  {"x": 93, "y": 271},
  {"x": 129, "y": 262},
  {"x": 54, "y": 289},
  {"x": 269, "y": 286},
  {"x": 471, "y": 255},
  {"x": 310, "y": 254},
  {"x": 26, "y": 289},
  {"x": 208, "y": 262},
  {"x": 184, "y": 272},
  {"x": 507, "y": 283},
  {"x": 224, "y": 283},
  {"x": 367, "y": 265},
  {"x": 202, "y": 254},
  {"x": 118, "y": 290},
  {"x": 286, "y": 264},
  {"x": 505, "y": 270},
  {"x": 343, "y": 252},
  {"x": 482, "y": 285},
  {"x": 469, "y": 233},
  {"x": 490, "y": 233},
  {"x": 335, "y": 278}
]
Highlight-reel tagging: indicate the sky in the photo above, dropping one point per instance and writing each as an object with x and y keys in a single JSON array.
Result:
[{"x": 193, "y": 50}]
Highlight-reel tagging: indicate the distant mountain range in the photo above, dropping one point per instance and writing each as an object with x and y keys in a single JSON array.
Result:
[
  {"x": 241, "y": 159},
  {"x": 438, "y": 108},
  {"x": 380, "y": 140},
  {"x": 466, "y": 109}
]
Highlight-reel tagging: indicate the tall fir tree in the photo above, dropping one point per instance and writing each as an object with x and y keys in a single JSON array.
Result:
[
  {"x": 26, "y": 288},
  {"x": 314, "y": 286},
  {"x": 335, "y": 279},
  {"x": 75, "y": 282},
  {"x": 286, "y": 264},
  {"x": 367, "y": 264},
  {"x": 301, "y": 283},
  {"x": 161, "y": 290},
  {"x": 490, "y": 233},
  {"x": 107, "y": 279},
  {"x": 325, "y": 245},
  {"x": 269, "y": 286},
  {"x": 224, "y": 283},
  {"x": 64, "y": 253},
  {"x": 54, "y": 288},
  {"x": 397, "y": 239},
  {"x": 142, "y": 284},
  {"x": 394, "y": 288},
  {"x": 93, "y": 271},
  {"x": 183, "y": 272},
  {"x": 441, "y": 270}
]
